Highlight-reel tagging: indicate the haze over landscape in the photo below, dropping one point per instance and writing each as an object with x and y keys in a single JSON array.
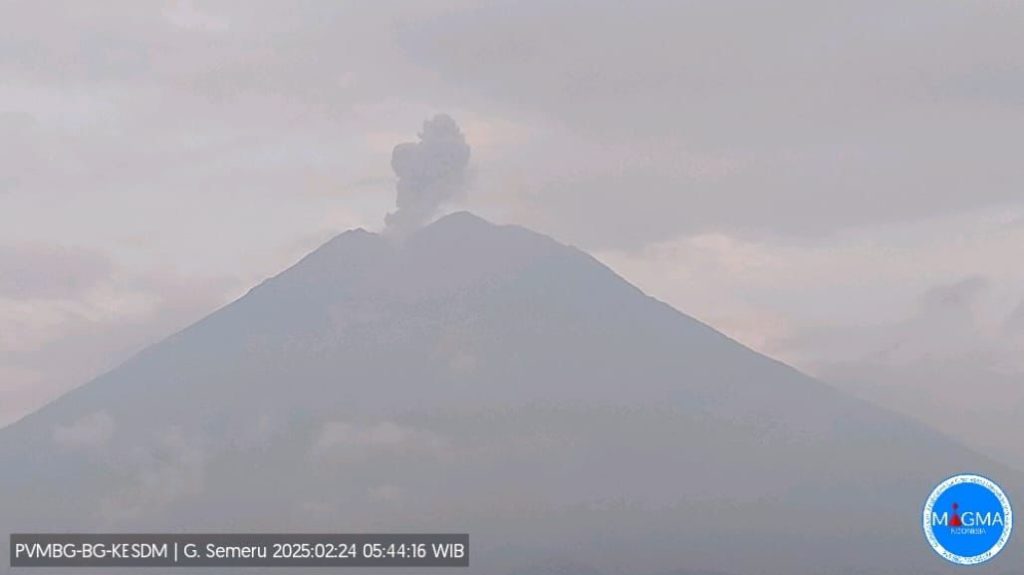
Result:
[
  {"x": 549, "y": 255},
  {"x": 490, "y": 380}
]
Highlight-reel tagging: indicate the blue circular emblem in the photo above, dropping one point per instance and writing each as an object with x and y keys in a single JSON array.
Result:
[{"x": 968, "y": 519}]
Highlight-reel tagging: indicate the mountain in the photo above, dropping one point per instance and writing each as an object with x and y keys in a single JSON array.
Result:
[{"x": 487, "y": 379}]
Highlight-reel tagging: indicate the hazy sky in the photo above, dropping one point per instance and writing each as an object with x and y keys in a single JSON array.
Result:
[{"x": 829, "y": 182}]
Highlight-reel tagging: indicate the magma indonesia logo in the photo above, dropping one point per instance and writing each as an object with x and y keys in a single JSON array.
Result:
[{"x": 968, "y": 519}]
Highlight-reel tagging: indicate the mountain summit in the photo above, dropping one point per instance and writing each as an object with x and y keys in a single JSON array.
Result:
[{"x": 487, "y": 379}]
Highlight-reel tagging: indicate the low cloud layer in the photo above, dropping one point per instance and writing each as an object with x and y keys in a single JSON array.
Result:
[
  {"x": 91, "y": 431},
  {"x": 43, "y": 272},
  {"x": 347, "y": 441},
  {"x": 430, "y": 173}
]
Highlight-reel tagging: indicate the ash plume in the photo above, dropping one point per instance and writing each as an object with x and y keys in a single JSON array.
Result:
[{"x": 430, "y": 172}]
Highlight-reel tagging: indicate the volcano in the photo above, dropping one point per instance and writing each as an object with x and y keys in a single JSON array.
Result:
[{"x": 487, "y": 379}]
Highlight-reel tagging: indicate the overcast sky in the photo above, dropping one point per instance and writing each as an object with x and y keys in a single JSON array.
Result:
[{"x": 832, "y": 183}]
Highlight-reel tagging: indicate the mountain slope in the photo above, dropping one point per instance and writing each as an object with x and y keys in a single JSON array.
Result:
[{"x": 486, "y": 379}]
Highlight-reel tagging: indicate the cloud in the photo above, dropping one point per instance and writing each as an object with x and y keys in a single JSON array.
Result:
[
  {"x": 1015, "y": 322},
  {"x": 958, "y": 321},
  {"x": 951, "y": 356},
  {"x": 957, "y": 296},
  {"x": 912, "y": 317},
  {"x": 20, "y": 140},
  {"x": 431, "y": 172},
  {"x": 41, "y": 272},
  {"x": 91, "y": 431},
  {"x": 385, "y": 493},
  {"x": 813, "y": 301},
  {"x": 347, "y": 440},
  {"x": 173, "y": 466},
  {"x": 184, "y": 14},
  {"x": 999, "y": 84},
  {"x": 825, "y": 126},
  {"x": 675, "y": 118}
]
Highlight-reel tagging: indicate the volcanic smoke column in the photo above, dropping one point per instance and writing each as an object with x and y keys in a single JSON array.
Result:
[{"x": 430, "y": 172}]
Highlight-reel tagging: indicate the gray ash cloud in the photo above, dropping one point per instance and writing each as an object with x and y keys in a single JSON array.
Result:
[{"x": 430, "y": 173}]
